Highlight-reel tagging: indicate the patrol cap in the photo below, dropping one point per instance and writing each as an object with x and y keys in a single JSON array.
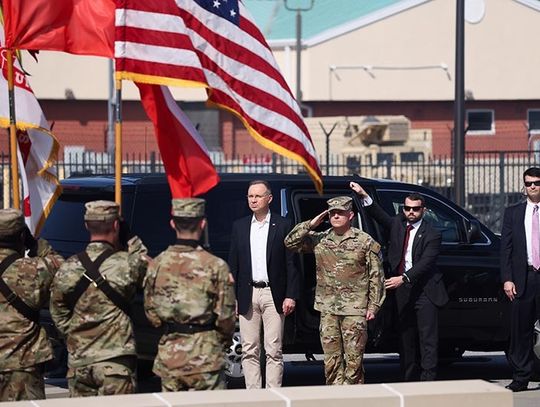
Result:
[
  {"x": 101, "y": 211},
  {"x": 11, "y": 221},
  {"x": 343, "y": 203},
  {"x": 188, "y": 207}
]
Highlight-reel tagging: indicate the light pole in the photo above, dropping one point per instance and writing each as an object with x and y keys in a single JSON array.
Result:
[
  {"x": 459, "y": 107},
  {"x": 298, "y": 45}
]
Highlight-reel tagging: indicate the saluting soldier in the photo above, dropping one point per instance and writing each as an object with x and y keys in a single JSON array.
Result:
[
  {"x": 190, "y": 292},
  {"x": 350, "y": 287},
  {"x": 24, "y": 288},
  {"x": 90, "y": 306}
]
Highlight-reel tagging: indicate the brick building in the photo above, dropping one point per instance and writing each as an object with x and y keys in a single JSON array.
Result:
[{"x": 382, "y": 57}]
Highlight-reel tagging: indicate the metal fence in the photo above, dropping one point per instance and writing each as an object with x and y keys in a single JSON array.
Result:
[{"x": 492, "y": 179}]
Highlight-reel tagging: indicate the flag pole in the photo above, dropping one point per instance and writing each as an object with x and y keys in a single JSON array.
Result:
[
  {"x": 13, "y": 133},
  {"x": 118, "y": 144}
]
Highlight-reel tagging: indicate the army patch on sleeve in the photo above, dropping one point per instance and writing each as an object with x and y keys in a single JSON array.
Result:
[{"x": 375, "y": 247}]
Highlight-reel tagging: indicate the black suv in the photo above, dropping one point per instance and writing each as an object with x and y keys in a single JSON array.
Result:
[{"x": 476, "y": 318}]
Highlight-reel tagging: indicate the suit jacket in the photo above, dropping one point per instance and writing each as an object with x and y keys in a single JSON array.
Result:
[
  {"x": 282, "y": 274},
  {"x": 514, "y": 247},
  {"x": 424, "y": 275}
]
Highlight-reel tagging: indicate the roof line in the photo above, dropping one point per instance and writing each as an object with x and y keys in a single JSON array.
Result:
[
  {"x": 530, "y": 3},
  {"x": 351, "y": 25}
]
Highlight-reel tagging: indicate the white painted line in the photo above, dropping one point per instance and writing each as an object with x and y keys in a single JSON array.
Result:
[
  {"x": 401, "y": 398},
  {"x": 165, "y": 402},
  {"x": 282, "y": 396},
  {"x": 34, "y": 403}
]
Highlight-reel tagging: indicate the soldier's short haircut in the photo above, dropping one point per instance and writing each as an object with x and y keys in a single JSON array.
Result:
[
  {"x": 99, "y": 227},
  {"x": 186, "y": 224},
  {"x": 414, "y": 196},
  {"x": 263, "y": 182},
  {"x": 532, "y": 172}
]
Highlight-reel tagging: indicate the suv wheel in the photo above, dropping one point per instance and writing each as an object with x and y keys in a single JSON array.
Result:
[
  {"x": 536, "y": 349},
  {"x": 233, "y": 358}
]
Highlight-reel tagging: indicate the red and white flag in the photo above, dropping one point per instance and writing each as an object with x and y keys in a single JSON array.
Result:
[
  {"x": 190, "y": 171},
  {"x": 216, "y": 44},
  {"x": 37, "y": 151},
  {"x": 38, "y": 148}
]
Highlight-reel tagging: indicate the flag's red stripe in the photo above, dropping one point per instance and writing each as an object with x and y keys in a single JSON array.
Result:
[
  {"x": 159, "y": 69},
  {"x": 160, "y": 6},
  {"x": 154, "y": 37}
]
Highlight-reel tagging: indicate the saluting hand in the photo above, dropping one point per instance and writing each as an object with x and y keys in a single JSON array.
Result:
[{"x": 317, "y": 220}]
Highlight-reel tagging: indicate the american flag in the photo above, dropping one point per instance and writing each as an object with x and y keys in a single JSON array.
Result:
[{"x": 214, "y": 43}]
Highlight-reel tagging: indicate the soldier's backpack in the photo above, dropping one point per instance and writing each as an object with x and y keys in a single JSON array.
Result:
[
  {"x": 92, "y": 275},
  {"x": 12, "y": 298}
]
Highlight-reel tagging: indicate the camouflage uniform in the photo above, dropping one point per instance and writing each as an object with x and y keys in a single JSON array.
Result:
[
  {"x": 24, "y": 345},
  {"x": 350, "y": 281},
  {"x": 187, "y": 286},
  {"x": 99, "y": 335}
]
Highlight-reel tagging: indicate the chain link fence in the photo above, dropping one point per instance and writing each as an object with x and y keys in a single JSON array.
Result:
[{"x": 493, "y": 179}]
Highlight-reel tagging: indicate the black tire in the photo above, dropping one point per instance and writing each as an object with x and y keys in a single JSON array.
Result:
[{"x": 450, "y": 354}]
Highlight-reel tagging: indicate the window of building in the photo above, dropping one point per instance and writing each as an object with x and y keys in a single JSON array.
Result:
[
  {"x": 480, "y": 122},
  {"x": 385, "y": 158},
  {"x": 411, "y": 157},
  {"x": 533, "y": 120}
]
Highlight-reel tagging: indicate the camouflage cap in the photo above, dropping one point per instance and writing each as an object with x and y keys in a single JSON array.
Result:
[
  {"x": 101, "y": 211},
  {"x": 188, "y": 207},
  {"x": 11, "y": 221},
  {"x": 343, "y": 203}
]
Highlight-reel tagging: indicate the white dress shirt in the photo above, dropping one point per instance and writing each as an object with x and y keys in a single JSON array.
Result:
[
  {"x": 258, "y": 238},
  {"x": 408, "y": 252},
  {"x": 528, "y": 229}
]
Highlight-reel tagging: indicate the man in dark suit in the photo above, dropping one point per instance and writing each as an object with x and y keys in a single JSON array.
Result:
[
  {"x": 266, "y": 284},
  {"x": 419, "y": 289},
  {"x": 520, "y": 274}
]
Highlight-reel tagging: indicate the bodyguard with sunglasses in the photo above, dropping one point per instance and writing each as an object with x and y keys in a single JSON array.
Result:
[
  {"x": 520, "y": 274},
  {"x": 419, "y": 290}
]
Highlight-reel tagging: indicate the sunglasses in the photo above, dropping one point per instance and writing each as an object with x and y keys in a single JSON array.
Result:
[
  {"x": 407, "y": 208},
  {"x": 530, "y": 183}
]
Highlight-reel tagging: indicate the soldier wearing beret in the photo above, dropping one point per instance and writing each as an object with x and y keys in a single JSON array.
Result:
[
  {"x": 190, "y": 292},
  {"x": 90, "y": 306},
  {"x": 350, "y": 287},
  {"x": 24, "y": 289}
]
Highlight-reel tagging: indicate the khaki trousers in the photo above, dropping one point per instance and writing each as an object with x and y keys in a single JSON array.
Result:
[{"x": 262, "y": 311}]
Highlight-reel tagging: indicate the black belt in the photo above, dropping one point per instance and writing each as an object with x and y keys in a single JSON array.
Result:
[
  {"x": 173, "y": 327},
  {"x": 531, "y": 268},
  {"x": 260, "y": 284}
]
